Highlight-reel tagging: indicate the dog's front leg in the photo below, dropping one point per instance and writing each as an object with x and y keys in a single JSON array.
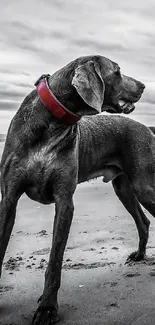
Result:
[
  {"x": 47, "y": 311},
  {"x": 11, "y": 190},
  {"x": 7, "y": 217}
]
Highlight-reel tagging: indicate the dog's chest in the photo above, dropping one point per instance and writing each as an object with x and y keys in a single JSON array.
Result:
[
  {"x": 40, "y": 166},
  {"x": 41, "y": 158}
]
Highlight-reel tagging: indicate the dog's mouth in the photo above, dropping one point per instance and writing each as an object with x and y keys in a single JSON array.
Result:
[
  {"x": 121, "y": 107},
  {"x": 126, "y": 107}
]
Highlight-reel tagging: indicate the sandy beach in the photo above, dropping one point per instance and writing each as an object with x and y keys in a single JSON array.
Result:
[{"x": 97, "y": 286}]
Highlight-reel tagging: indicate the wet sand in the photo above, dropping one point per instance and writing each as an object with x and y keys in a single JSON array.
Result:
[{"x": 97, "y": 286}]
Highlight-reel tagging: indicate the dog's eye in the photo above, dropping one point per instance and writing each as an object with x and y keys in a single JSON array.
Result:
[{"x": 118, "y": 73}]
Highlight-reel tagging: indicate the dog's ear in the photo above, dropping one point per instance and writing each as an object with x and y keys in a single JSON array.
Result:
[{"x": 89, "y": 84}]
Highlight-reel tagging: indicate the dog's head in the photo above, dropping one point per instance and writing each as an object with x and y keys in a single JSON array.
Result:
[{"x": 99, "y": 82}]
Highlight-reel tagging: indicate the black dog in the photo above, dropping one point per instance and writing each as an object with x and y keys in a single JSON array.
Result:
[{"x": 46, "y": 154}]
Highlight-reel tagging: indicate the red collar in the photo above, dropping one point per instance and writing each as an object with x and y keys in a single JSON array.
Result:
[{"x": 52, "y": 103}]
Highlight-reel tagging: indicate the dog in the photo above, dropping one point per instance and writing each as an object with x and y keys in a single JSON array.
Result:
[{"x": 54, "y": 143}]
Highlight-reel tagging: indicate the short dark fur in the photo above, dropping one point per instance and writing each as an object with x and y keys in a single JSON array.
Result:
[{"x": 47, "y": 159}]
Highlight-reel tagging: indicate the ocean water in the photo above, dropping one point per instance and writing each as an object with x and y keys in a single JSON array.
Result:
[
  {"x": 2, "y": 137},
  {"x": 143, "y": 113}
]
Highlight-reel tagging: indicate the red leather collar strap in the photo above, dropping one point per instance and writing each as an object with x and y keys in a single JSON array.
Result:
[{"x": 52, "y": 103}]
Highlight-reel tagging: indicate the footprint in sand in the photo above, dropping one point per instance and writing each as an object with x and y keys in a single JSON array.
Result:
[
  {"x": 42, "y": 265},
  {"x": 89, "y": 249},
  {"x": 6, "y": 288},
  {"x": 152, "y": 273},
  {"x": 13, "y": 264},
  {"x": 112, "y": 304},
  {"x": 131, "y": 275},
  {"x": 42, "y": 233},
  {"x": 42, "y": 251}
]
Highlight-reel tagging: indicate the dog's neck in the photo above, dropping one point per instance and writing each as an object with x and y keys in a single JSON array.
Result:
[
  {"x": 62, "y": 135},
  {"x": 67, "y": 94},
  {"x": 50, "y": 127}
]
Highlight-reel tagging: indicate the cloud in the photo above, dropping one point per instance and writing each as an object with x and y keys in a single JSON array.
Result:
[
  {"x": 98, "y": 46},
  {"x": 9, "y": 105},
  {"x": 41, "y": 36},
  {"x": 149, "y": 95}
]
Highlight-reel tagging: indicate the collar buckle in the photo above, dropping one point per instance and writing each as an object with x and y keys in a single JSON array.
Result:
[{"x": 43, "y": 76}]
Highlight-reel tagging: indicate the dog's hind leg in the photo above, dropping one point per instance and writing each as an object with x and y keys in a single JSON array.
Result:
[
  {"x": 145, "y": 192},
  {"x": 47, "y": 311},
  {"x": 11, "y": 191},
  {"x": 126, "y": 195}
]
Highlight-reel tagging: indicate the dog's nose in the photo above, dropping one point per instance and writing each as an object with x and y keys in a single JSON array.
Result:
[{"x": 142, "y": 86}]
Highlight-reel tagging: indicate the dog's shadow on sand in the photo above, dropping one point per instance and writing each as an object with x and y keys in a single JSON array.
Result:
[
  {"x": 19, "y": 308},
  {"x": 12, "y": 313}
]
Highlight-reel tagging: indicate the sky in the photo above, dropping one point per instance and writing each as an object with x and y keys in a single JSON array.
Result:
[{"x": 41, "y": 36}]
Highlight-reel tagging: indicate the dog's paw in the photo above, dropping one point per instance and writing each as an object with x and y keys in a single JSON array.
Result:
[
  {"x": 135, "y": 257},
  {"x": 45, "y": 316}
]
